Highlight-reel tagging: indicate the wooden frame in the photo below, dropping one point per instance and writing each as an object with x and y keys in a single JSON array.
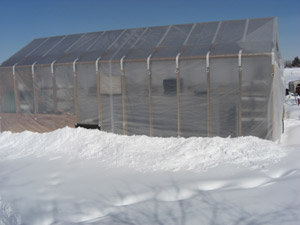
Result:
[{"x": 18, "y": 122}]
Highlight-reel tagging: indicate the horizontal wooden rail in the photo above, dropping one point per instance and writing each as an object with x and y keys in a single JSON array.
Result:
[{"x": 154, "y": 59}]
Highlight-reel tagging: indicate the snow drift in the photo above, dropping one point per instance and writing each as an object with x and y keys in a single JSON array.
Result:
[{"x": 142, "y": 153}]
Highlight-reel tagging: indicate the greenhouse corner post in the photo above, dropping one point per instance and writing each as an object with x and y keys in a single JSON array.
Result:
[
  {"x": 99, "y": 91},
  {"x": 177, "y": 71},
  {"x": 123, "y": 84},
  {"x": 75, "y": 81},
  {"x": 16, "y": 92},
  {"x": 150, "y": 94},
  {"x": 35, "y": 90},
  {"x": 207, "y": 95},
  {"x": 240, "y": 94},
  {"x": 54, "y": 87}
]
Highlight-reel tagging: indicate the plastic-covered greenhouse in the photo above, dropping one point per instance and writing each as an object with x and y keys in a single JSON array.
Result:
[{"x": 203, "y": 79}]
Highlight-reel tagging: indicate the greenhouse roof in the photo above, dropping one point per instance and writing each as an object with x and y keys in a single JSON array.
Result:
[{"x": 190, "y": 40}]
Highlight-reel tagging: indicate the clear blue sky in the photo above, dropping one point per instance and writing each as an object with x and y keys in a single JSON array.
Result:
[{"x": 24, "y": 20}]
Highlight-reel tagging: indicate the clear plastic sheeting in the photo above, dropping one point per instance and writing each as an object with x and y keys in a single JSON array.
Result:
[
  {"x": 203, "y": 79},
  {"x": 225, "y": 37}
]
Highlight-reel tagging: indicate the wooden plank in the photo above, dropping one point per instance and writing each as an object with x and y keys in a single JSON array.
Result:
[
  {"x": 208, "y": 102},
  {"x": 150, "y": 103},
  {"x": 16, "y": 92},
  {"x": 54, "y": 88},
  {"x": 99, "y": 99},
  {"x": 35, "y": 94},
  {"x": 160, "y": 59},
  {"x": 76, "y": 106},
  {"x": 124, "y": 113},
  {"x": 178, "y": 102},
  {"x": 240, "y": 103},
  {"x": 18, "y": 122}
]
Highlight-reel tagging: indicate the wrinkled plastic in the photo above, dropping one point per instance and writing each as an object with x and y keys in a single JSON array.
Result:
[{"x": 159, "y": 99}]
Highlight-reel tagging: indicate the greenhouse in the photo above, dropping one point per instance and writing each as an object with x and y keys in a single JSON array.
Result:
[{"x": 203, "y": 79}]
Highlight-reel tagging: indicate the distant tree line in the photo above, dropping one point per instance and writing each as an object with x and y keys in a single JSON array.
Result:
[{"x": 294, "y": 63}]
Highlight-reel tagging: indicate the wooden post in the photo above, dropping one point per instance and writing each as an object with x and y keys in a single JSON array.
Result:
[
  {"x": 207, "y": 95},
  {"x": 124, "y": 114},
  {"x": 208, "y": 102},
  {"x": 150, "y": 102},
  {"x": 240, "y": 103},
  {"x": 35, "y": 94},
  {"x": 16, "y": 92},
  {"x": 99, "y": 97},
  {"x": 54, "y": 92},
  {"x": 35, "y": 90},
  {"x": 240, "y": 94},
  {"x": 76, "y": 108},
  {"x": 75, "y": 88},
  {"x": 178, "y": 90},
  {"x": 123, "y": 87},
  {"x": 178, "y": 102},
  {"x": 150, "y": 94},
  {"x": 54, "y": 87}
]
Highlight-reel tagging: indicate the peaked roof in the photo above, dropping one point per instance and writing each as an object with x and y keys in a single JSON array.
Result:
[{"x": 220, "y": 38}]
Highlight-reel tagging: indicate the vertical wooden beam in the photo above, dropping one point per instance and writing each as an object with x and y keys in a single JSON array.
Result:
[
  {"x": 150, "y": 95},
  {"x": 178, "y": 103},
  {"x": 124, "y": 113},
  {"x": 35, "y": 90},
  {"x": 35, "y": 94},
  {"x": 76, "y": 107},
  {"x": 208, "y": 102},
  {"x": 54, "y": 88},
  {"x": 123, "y": 84},
  {"x": 178, "y": 90},
  {"x": 16, "y": 93},
  {"x": 150, "y": 102},
  {"x": 207, "y": 95},
  {"x": 240, "y": 94},
  {"x": 75, "y": 87},
  {"x": 99, "y": 99},
  {"x": 240, "y": 104}
]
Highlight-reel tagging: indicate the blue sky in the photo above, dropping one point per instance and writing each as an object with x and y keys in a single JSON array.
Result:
[{"x": 21, "y": 21}]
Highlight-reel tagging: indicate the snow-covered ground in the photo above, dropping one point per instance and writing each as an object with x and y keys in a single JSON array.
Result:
[{"x": 78, "y": 176}]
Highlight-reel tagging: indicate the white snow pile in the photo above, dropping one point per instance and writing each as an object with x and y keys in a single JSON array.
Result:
[
  {"x": 142, "y": 153},
  {"x": 291, "y": 74}
]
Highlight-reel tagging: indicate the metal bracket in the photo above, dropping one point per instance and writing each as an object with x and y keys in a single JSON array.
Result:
[
  {"x": 273, "y": 58},
  {"x": 240, "y": 60},
  {"x": 177, "y": 61},
  {"x": 148, "y": 64},
  {"x": 52, "y": 67},
  {"x": 32, "y": 69},
  {"x": 74, "y": 66},
  {"x": 14, "y": 70},
  {"x": 121, "y": 63},
  {"x": 207, "y": 60},
  {"x": 97, "y": 64}
]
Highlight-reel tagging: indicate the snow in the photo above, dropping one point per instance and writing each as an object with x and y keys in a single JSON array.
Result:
[
  {"x": 291, "y": 74},
  {"x": 142, "y": 153},
  {"x": 78, "y": 176}
]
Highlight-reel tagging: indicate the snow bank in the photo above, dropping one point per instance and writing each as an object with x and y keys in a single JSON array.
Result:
[
  {"x": 292, "y": 115},
  {"x": 142, "y": 153},
  {"x": 291, "y": 74}
]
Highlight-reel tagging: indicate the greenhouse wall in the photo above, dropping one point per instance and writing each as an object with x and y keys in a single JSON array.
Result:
[{"x": 207, "y": 79}]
